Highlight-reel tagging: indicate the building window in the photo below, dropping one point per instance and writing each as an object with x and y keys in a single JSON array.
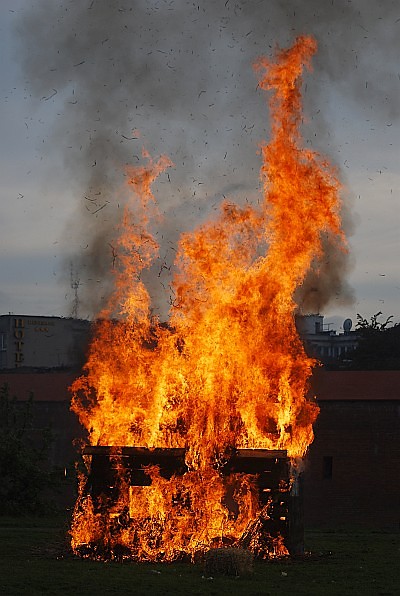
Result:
[
  {"x": 3, "y": 342},
  {"x": 327, "y": 466}
]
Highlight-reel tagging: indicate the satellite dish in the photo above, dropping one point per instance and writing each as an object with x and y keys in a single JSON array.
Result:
[{"x": 347, "y": 325}]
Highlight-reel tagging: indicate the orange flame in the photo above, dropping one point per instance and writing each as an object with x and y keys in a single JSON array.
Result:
[{"x": 229, "y": 371}]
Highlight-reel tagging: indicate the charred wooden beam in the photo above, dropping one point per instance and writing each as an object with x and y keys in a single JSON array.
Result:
[{"x": 279, "y": 491}]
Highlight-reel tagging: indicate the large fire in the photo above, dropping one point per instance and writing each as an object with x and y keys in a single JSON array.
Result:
[{"x": 229, "y": 371}]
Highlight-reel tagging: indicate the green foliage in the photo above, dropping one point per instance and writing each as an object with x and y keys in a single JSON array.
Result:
[
  {"x": 24, "y": 472},
  {"x": 372, "y": 325},
  {"x": 379, "y": 344}
]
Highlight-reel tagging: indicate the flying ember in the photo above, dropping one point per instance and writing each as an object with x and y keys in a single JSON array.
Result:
[{"x": 175, "y": 410}]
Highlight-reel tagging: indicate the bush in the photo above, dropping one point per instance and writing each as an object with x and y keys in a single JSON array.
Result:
[{"x": 25, "y": 475}]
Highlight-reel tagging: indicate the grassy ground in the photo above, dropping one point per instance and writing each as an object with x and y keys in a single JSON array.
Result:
[{"x": 34, "y": 559}]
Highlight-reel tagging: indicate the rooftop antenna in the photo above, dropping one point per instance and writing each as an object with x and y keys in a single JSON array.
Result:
[
  {"x": 74, "y": 283},
  {"x": 347, "y": 325}
]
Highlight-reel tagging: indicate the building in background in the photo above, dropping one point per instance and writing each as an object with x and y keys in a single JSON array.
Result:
[
  {"x": 324, "y": 343},
  {"x": 351, "y": 476},
  {"x": 38, "y": 342},
  {"x": 351, "y": 469}
]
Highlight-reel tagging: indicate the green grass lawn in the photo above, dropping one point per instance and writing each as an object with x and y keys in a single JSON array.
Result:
[{"x": 34, "y": 559}]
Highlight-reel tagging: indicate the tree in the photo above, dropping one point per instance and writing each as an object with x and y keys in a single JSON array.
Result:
[
  {"x": 25, "y": 476},
  {"x": 379, "y": 344},
  {"x": 372, "y": 325}
]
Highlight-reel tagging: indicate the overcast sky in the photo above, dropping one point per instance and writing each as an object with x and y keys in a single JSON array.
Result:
[{"x": 78, "y": 77}]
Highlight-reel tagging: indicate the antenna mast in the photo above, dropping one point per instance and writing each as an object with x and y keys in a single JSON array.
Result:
[{"x": 75, "y": 283}]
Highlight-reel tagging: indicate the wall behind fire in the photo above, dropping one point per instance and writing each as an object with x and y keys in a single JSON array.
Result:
[{"x": 351, "y": 476}]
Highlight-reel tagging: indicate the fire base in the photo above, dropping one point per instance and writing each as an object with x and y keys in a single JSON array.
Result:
[{"x": 119, "y": 476}]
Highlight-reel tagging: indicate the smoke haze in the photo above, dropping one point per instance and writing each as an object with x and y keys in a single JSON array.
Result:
[{"x": 176, "y": 77}]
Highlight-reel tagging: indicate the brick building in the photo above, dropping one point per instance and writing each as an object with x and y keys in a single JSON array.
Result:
[
  {"x": 51, "y": 409},
  {"x": 352, "y": 475}
]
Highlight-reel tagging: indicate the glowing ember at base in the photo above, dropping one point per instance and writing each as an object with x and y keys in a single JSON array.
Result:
[{"x": 229, "y": 372}]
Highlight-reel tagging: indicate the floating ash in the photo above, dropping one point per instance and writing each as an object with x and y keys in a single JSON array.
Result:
[{"x": 193, "y": 425}]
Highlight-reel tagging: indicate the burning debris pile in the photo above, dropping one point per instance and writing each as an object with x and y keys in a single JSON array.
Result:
[{"x": 179, "y": 415}]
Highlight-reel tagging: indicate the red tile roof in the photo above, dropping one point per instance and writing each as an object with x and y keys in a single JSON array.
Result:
[{"x": 346, "y": 385}]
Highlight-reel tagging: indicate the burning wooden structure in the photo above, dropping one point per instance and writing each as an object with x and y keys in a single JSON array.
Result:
[
  {"x": 119, "y": 475},
  {"x": 217, "y": 399}
]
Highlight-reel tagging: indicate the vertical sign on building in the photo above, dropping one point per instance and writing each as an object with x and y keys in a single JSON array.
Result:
[{"x": 19, "y": 333}]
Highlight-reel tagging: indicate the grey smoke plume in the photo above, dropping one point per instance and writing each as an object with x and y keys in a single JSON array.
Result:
[{"x": 180, "y": 73}]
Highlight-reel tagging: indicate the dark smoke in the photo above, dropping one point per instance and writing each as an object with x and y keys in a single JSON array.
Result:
[{"x": 180, "y": 73}]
